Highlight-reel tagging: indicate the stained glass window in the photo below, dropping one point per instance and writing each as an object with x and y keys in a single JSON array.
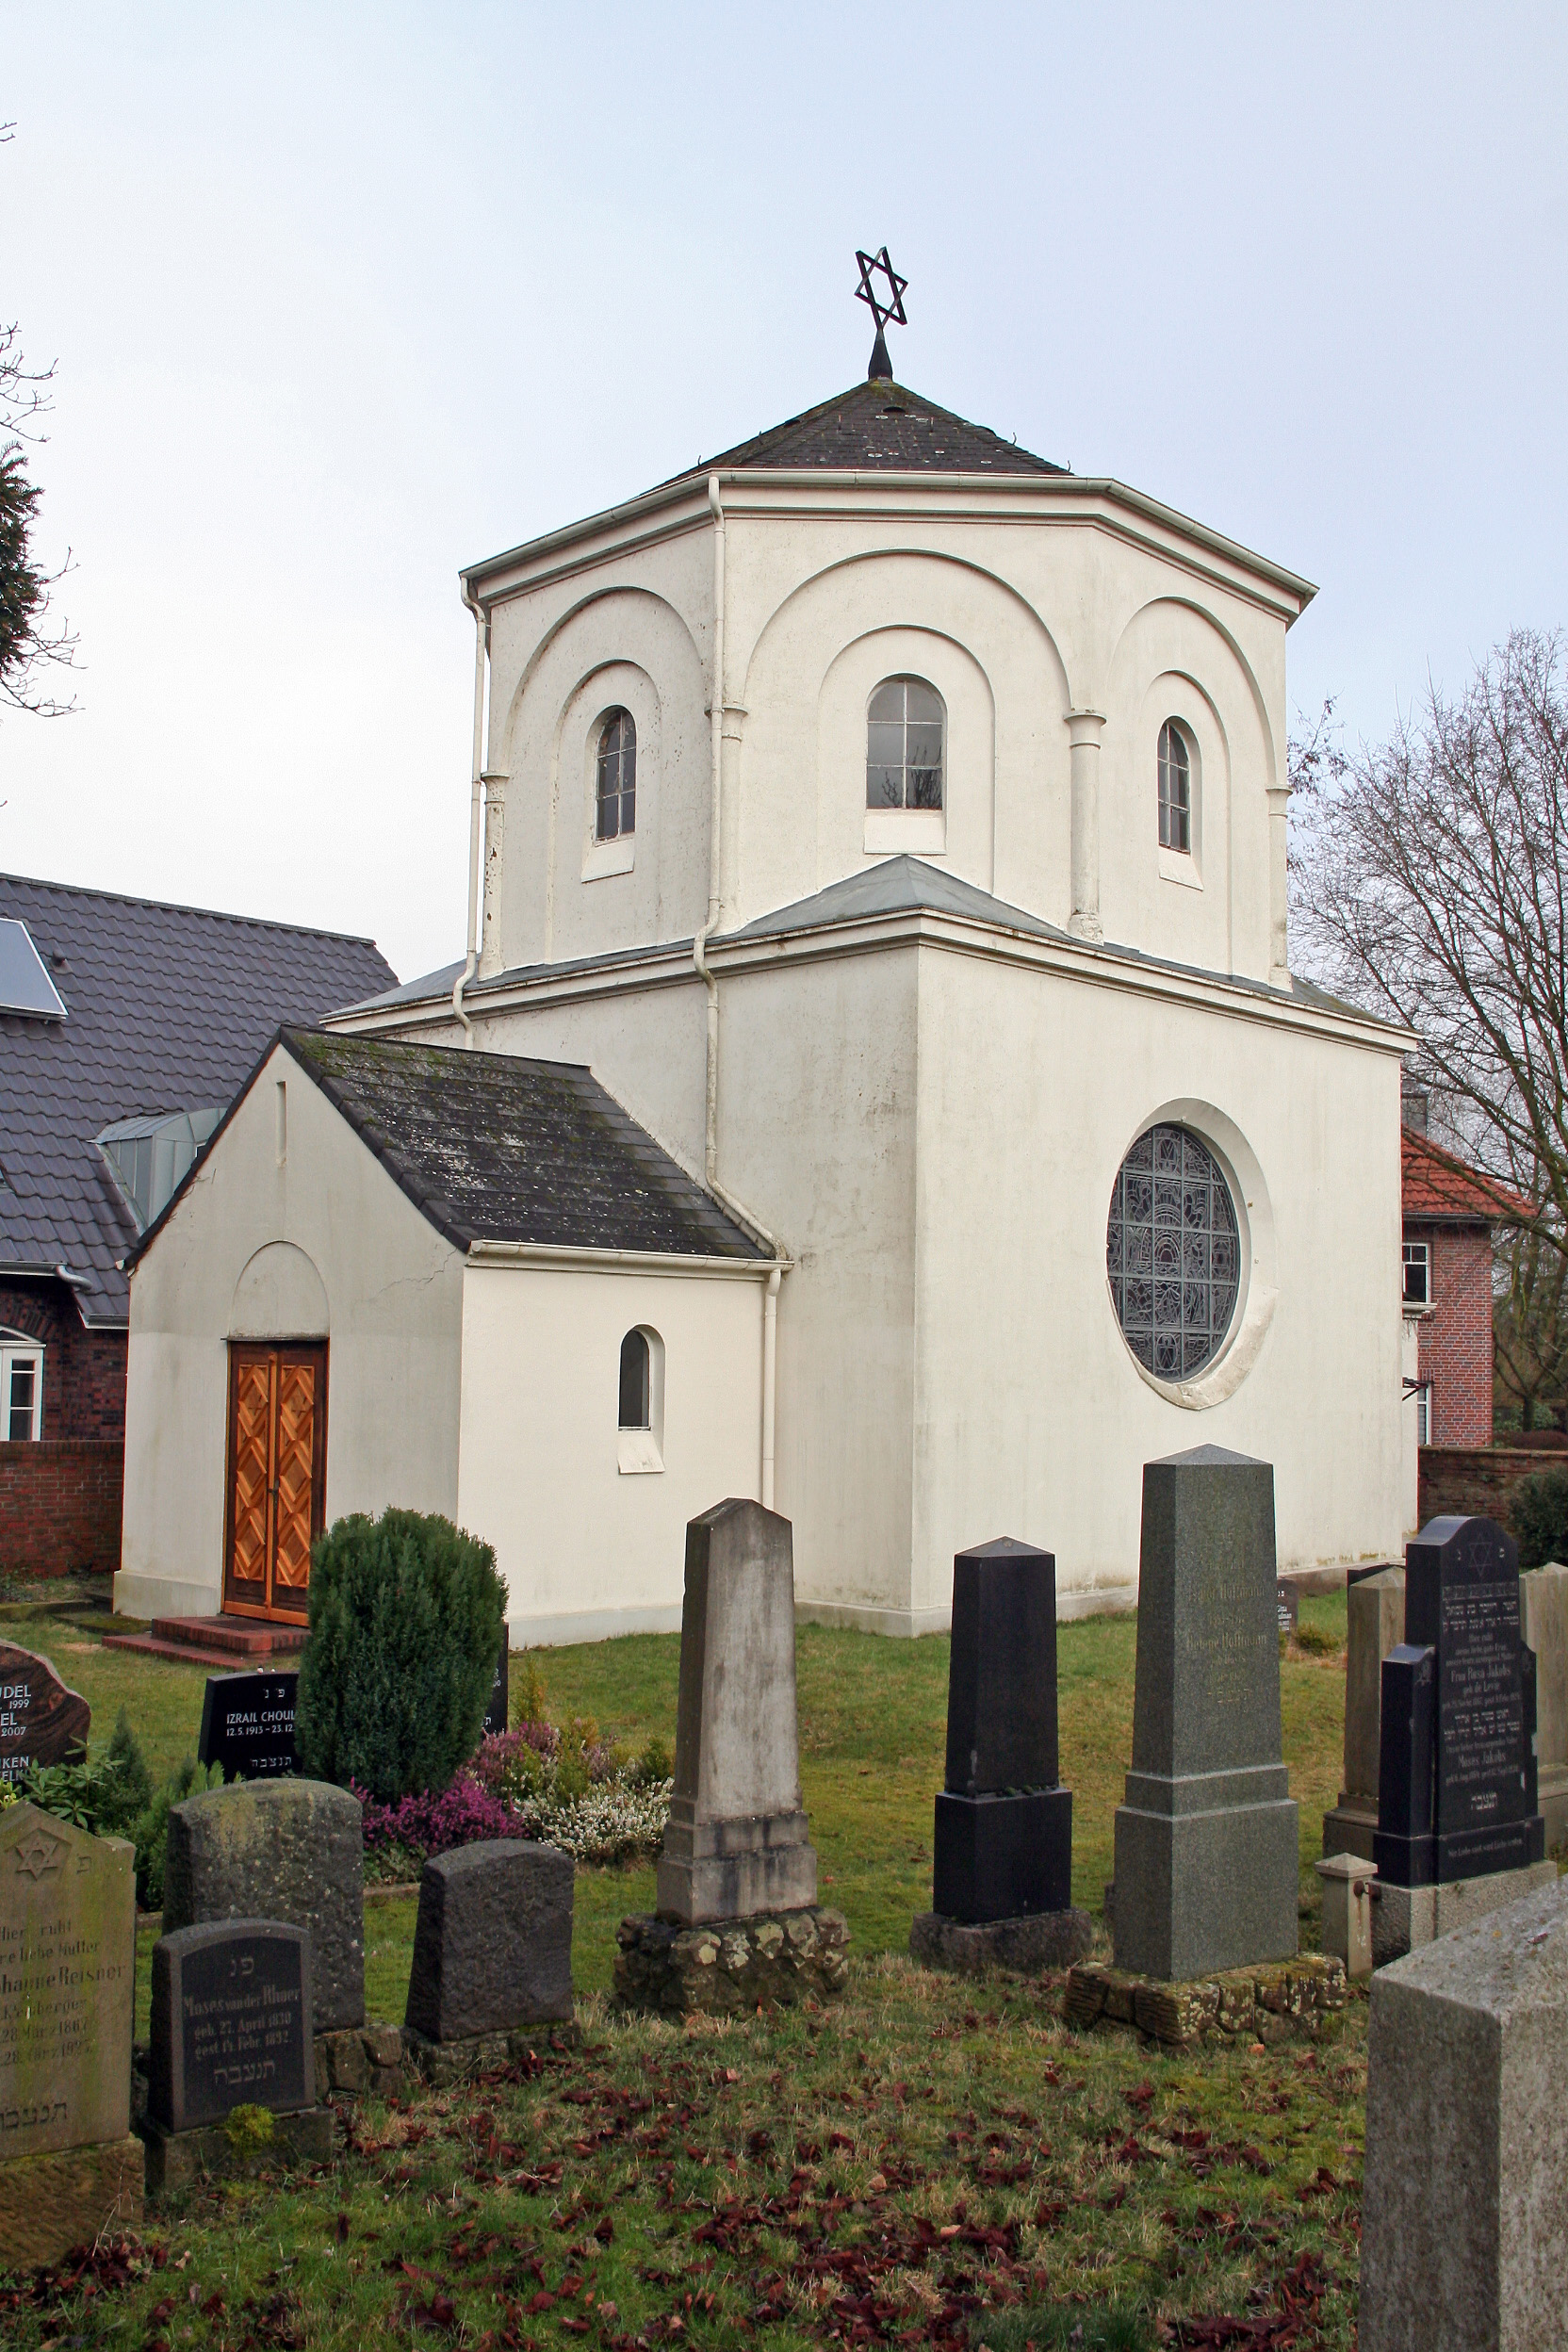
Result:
[
  {"x": 1175, "y": 790},
  {"x": 617, "y": 778},
  {"x": 903, "y": 745},
  {"x": 1173, "y": 1252}
]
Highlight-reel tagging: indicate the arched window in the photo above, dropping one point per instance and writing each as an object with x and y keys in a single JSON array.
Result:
[
  {"x": 1175, "y": 765},
  {"x": 616, "y": 794},
  {"x": 635, "y": 1398},
  {"x": 1173, "y": 1253},
  {"x": 905, "y": 726}
]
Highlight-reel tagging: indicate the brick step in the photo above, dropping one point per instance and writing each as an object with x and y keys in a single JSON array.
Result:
[
  {"x": 247, "y": 1637},
  {"x": 184, "y": 1653}
]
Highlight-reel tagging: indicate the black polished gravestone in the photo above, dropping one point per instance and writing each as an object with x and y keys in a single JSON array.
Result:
[
  {"x": 1456, "y": 1796},
  {"x": 495, "y": 1713},
  {"x": 248, "y": 1725},
  {"x": 231, "y": 2023},
  {"x": 1003, "y": 1825}
]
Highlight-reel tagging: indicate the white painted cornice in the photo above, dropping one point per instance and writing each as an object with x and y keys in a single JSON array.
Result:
[{"x": 550, "y": 1258}]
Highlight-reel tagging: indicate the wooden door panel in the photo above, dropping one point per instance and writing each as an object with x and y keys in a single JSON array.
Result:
[
  {"x": 277, "y": 1450},
  {"x": 295, "y": 1477},
  {"x": 248, "y": 1512}
]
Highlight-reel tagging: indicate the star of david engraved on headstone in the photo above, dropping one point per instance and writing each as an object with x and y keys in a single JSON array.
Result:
[
  {"x": 881, "y": 311},
  {"x": 38, "y": 1855}
]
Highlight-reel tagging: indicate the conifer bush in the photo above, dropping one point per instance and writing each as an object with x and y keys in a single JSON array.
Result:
[
  {"x": 1538, "y": 1515},
  {"x": 405, "y": 1621}
]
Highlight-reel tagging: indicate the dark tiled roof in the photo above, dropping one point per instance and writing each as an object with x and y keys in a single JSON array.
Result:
[
  {"x": 902, "y": 885},
  {"x": 490, "y": 1147},
  {"x": 1439, "y": 1188},
  {"x": 168, "y": 1008},
  {"x": 883, "y": 426}
]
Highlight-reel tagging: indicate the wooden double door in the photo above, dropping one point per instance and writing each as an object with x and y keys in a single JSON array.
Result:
[{"x": 277, "y": 1475}]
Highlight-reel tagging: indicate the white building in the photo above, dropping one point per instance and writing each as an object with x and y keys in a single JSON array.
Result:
[{"x": 894, "y": 823}]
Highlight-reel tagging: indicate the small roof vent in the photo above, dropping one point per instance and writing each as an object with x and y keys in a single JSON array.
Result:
[
  {"x": 149, "y": 1158},
  {"x": 24, "y": 984}
]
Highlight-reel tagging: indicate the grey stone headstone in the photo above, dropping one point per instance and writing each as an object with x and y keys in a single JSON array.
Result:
[
  {"x": 1544, "y": 1599},
  {"x": 1206, "y": 1864},
  {"x": 493, "y": 1943},
  {"x": 288, "y": 1850},
  {"x": 1375, "y": 1621},
  {"x": 230, "y": 2022},
  {"x": 1464, "y": 2208},
  {"x": 736, "y": 1845},
  {"x": 67, "y": 1980}
]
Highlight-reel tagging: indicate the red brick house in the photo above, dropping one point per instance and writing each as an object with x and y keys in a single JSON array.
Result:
[
  {"x": 126, "y": 1028},
  {"x": 1450, "y": 1210}
]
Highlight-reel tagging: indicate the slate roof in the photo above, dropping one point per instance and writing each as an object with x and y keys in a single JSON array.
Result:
[
  {"x": 1439, "y": 1189},
  {"x": 896, "y": 885},
  {"x": 490, "y": 1147},
  {"x": 167, "y": 1009},
  {"x": 883, "y": 426}
]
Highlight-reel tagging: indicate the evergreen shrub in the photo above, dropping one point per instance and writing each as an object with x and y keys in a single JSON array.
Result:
[
  {"x": 1538, "y": 1515},
  {"x": 405, "y": 1621}
]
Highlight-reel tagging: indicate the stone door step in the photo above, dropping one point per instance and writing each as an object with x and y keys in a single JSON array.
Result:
[{"x": 222, "y": 1642}]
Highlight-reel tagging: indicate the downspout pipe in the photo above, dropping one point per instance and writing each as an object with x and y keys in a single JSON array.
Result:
[
  {"x": 476, "y": 816},
  {"x": 770, "y": 1380},
  {"x": 699, "y": 958}
]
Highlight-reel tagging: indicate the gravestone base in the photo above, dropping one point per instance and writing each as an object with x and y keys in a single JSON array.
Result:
[
  {"x": 63, "y": 2197},
  {"x": 1001, "y": 1857},
  {"x": 176, "y": 2158},
  {"x": 1299, "y": 2000},
  {"x": 1405, "y": 1917},
  {"x": 1025, "y": 1947},
  {"x": 1553, "y": 1805},
  {"x": 740, "y": 1869},
  {"x": 361, "y": 2061},
  {"x": 732, "y": 1968},
  {"x": 443, "y": 2064},
  {"x": 1197, "y": 1894},
  {"x": 1350, "y": 1827}
]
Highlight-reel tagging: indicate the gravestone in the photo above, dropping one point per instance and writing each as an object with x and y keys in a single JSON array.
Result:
[
  {"x": 287, "y": 1848},
  {"x": 495, "y": 1713},
  {"x": 1288, "y": 1596},
  {"x": 492, "y": 1943},
  {"x": 68, "y": 2164},
  {"x": 40, "y": 1721},
  {"x": 248, "y": 1725},
  {"x": 1544, "y": 1599},
  {"x": 1001, "y": 1888},
  {"x": 1375, "y": 1621},
  {"x": 1206, "y": 1872},
  {"x": 1465, "y": 2205},
  {"x": 230, "y": 2022}
]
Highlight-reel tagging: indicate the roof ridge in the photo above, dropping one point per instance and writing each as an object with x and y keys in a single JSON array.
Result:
[{"x": 178, "y": 906}]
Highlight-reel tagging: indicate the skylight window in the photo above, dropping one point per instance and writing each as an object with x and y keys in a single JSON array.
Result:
[{"x": 24, "y": 984}]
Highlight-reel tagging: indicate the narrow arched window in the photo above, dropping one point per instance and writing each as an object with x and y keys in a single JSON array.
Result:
[
  {"x": 635, "y": 1398},
  {"x": 1175, "y": 789},
  {"x": 616, "y": 796},
  {"x": 906, "y": 730}
]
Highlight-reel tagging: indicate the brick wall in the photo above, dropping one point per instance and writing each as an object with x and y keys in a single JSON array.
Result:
[
  {"x": 1455, "y": 1338},
  {"x": 1478, "y": 1480},
  {"x": 60, "y": 1506},
  {"x": 84, "y": 1372}
]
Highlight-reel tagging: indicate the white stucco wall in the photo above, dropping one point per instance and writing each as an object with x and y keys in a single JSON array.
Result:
[
  {"x": 392, "y": 1289},
  {"x": 589, "y": 1548}
]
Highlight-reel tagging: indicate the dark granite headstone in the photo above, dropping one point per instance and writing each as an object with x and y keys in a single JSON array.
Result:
[
  {"x": 1206, "y": 1862},
  {"x": 492, "y": 1943},
  {"x": 1462, "y": 1607},
  {"x": 1402, "y": 1845},
  {"x": 495, "y": 1713},
  {"x": 231, "y": 2023},
  {"x": 40, "y": 1721},
  {"x": 1004, "y": 1827},
  {"x": 248, "y": 1725},
  {"x": 1290, "y": 1604}
]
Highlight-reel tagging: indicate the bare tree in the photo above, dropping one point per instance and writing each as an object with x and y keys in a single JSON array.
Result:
[
  {"x": 30, "y": 645},
  {"x": 1529, "y": 1328}
]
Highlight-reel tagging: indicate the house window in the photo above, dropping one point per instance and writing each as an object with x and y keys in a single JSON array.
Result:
[
  {"x": 905, "y": 725},
  {"x": 21, "y": 1388},
  {"x": 1173, "y": 1253},
  {"x": 1417, "y": 1258},
  {"x": 1175, "y": 767},
  {"x": 615, "y": 791},
  {"x": 634, "y": 1382},
  {"x": 1424, "y": 1414},
  {"x": 641, "y": 1440}
]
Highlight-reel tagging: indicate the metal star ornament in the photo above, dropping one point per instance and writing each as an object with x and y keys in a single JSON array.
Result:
[{"x": 881, "y": 311}]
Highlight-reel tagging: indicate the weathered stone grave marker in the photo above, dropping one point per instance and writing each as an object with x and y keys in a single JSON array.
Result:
[
  {"x": 492, "y": 1953},
  {"x": 1207, "y": 1873},
  {"x": 1464, "y": 2208},
  {"x": 40, "y": 1721},
  {"x": 248, "y": 1725},
  {"x": 737, "y": 1880},
  {"x": 68, "y": 2164},
  {"x": 1375, "y": 1621},
  {"x": 1001, "y": 1889},
  {"x": 1544, "y": 1599},
  {"x": 231, "y": 2027},
  {"x": 1458, "y": 1833}
]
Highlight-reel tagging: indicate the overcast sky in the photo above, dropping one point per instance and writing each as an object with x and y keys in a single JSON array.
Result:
[{"x": 342, "y": 298}]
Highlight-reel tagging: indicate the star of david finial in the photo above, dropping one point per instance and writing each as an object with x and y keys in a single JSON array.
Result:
[
  {"x": 881, "y": 311},
  {"x": 38, "y": 1854}
]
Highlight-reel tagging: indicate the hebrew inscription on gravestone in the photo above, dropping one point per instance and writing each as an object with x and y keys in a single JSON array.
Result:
[
  {"x": 67, "y": 1973},
  {"x": 230, "y": 2023},
  {"x": 247, "y": 1724},
  {"x": 40, "y": 1721}
]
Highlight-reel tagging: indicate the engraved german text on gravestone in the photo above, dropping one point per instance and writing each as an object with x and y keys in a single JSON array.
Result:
[
  {"x": 229, "y": 2024},
  {"x": 67, "y": 1968},
  {"x": 40, "y": 1721}
]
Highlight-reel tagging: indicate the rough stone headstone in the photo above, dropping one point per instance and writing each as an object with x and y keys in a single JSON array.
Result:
[
  {"x": 288, "y": 1850},
  {"x": 1375, "y": 1621},
  {"x": 1543, "y": 1601},
  {"x": 40, "y": 1721},
  {"x": 500, "y": 1688},
  {"x": 68, "y": 2164},
  {"x": 1464, "y": 2207},
  {"x": 1002, "y": 1876},
  {"x": 1457, "y": 1755},
  {"x": 736, "y": 1844},
  {"x": 492, "y": 1943},
  {"x": 1206, "y": 1867},
  {"x": 230, "y": 2022},
  {"x": 248, "y": 1725}
]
